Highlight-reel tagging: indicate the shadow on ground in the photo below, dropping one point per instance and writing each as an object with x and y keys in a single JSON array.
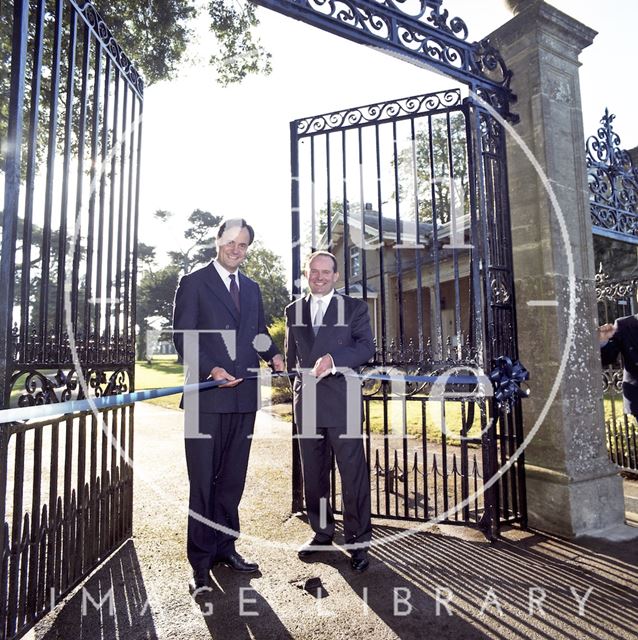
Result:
[
  {"x": 235, "y": 609},
  {"x": 534, "y": 587},
  {"x": 111, "y": 604}
]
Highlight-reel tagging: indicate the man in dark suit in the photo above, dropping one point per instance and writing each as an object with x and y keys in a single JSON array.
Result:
[
  {"x": 622, "y": 338},
  {"x": 222, "y": 309},
  {"x": 328, "y": 334}
]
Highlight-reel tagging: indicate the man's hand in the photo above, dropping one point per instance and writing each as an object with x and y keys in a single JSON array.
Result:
[
  {"x": 218, "y": 373},
  {"x": 277, "y": 363},
  {"x": 323, "y": 366},
  {"x": 605, "y": 333}
]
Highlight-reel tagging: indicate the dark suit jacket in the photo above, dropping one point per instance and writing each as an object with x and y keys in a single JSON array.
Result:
[
  {"x": 346, "y": 336},
  {"x": 625, "y": 342},
  {"x": 203, "y": 302}
]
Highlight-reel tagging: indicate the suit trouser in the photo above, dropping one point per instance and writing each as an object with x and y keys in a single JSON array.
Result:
[
  {"x": 355, "y": 485},
  {"x": 217, "y": 475}
]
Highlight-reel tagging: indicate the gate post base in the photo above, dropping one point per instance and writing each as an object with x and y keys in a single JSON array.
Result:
[{"x": 573, "y": 506}]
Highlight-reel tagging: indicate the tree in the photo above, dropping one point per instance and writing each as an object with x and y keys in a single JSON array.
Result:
[
  {"x": 201, "y": 233},
  {"x": 265, "y": 267},
  {"x": 155, "y": 36},
  {"x": 156, "y": 288},
  {"x": 155, "y": 295},
  {"x": 433, "y": 175}
]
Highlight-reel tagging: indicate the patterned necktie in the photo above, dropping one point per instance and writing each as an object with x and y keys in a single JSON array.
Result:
[
  {"x": 318, "y": 317},
  {"x": 234, "y": 290}
]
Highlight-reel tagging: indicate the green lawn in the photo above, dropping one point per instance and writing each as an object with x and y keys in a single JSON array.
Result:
[
  {"x": 411, "y": 415},
  {"x": 613, "y": 404},
  {"x": 164, "y": 371}
]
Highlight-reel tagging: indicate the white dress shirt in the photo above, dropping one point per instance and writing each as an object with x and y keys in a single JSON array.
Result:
[
  {"x": 224, "y": 273},
  {"x": 325, "y": 302}
]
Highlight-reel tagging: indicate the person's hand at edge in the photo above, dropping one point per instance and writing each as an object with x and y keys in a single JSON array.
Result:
[{"x": 219, "y": 373}]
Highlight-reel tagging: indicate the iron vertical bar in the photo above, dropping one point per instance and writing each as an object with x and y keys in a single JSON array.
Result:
[
  {"x": 110, "y": 322},
  {"x": 404, "y": 445},
  {"x": 12, "y": 176},
  {"x": 81, "y": 337},
  {"x": 135, "y": 243},
  {"x": 490, "y": 522},
  {"x": 346, "y": 235},
  {"x": 27, "y": 225},
  {"x": 91, "y": 336},
  {"x": 418, "y": 247},
  {"x": 438, "y": 332},
  {"x": 129, "y": 468},
  {"x": 66, "y": 508},
  {"x": 5, "y": 436},
  {"x": 103, "y": 485},
  {"x": 399, "y": 238},
  {"x": 129, "y": 330},
  {"x": 313, "y": 198},
  {"x": 51, "y": 579},
  {"x": 465, "y": 477},
  {"x": 453, "y": 248},
  {"x": 297, "y": 480},
  {"x": 50, "y": 174},
  {"x": 16, "y": 534},
  {"x": 384, "y": 326},
  {"x": 34, "y": 543},
  {"x": 100, "y": 305},
  {"x": 80, "y": 537},
  {"x": 444, "y": 467},
  {"x": 131, "y": 453},
  {"x": 120, "y": 230},
  {"x": 382, "y": 291},
  {"x": 362, "y": 241},
  {"x": 328, "y": 194},
  {"x": 424, "y": 446},
  {"x": 91, "y": 551},
  {"x": 66, "y": 169},
  {"x": 518, "y": 474}
]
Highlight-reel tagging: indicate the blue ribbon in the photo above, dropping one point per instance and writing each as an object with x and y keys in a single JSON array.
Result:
[{"x": 504, "y": 379}]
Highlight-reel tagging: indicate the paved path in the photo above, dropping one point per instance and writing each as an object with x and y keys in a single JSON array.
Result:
[{"x": 487, "y": 588}]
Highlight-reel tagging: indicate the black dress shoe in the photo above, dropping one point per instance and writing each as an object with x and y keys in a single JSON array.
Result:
[
  {"x": 313, "y": 546},
  {"x": 200, "y": 581},
  {"x": 359, "y": 562},
  {"x": 235, "y": 562}
]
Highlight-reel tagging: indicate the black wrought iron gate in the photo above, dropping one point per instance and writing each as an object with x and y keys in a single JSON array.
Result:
[
  {"x": 71, "y": 106},
  {"x": 411, "y": 196},
  {"x": 613, "y": 194}
]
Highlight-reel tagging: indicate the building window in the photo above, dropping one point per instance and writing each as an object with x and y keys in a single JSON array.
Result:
[{"x": 355, "y": 261}]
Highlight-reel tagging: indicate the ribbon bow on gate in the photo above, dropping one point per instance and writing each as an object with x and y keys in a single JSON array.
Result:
[{"x": 506, "y": 377}]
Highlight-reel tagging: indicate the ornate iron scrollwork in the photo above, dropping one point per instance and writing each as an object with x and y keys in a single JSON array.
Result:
[
  {"x": 500, "y": 289},
  {"x": 613, "y": 290},
  {"x": 403, "y": 359},
  {"x": 379, "y": 112},
  {"x": 40, "y": 386},
  {"x": 417, "y": 29},
  {"x": 55, "y": 350},
  {"x": 101, "y": 30},
  {"x": 613, "y": 181}
]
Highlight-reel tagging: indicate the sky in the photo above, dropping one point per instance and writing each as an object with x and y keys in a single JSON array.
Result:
[{"x": 227, "y": 150}]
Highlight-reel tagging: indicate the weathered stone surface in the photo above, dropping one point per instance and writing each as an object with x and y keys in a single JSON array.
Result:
[{"x": 572, "y": 487}]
